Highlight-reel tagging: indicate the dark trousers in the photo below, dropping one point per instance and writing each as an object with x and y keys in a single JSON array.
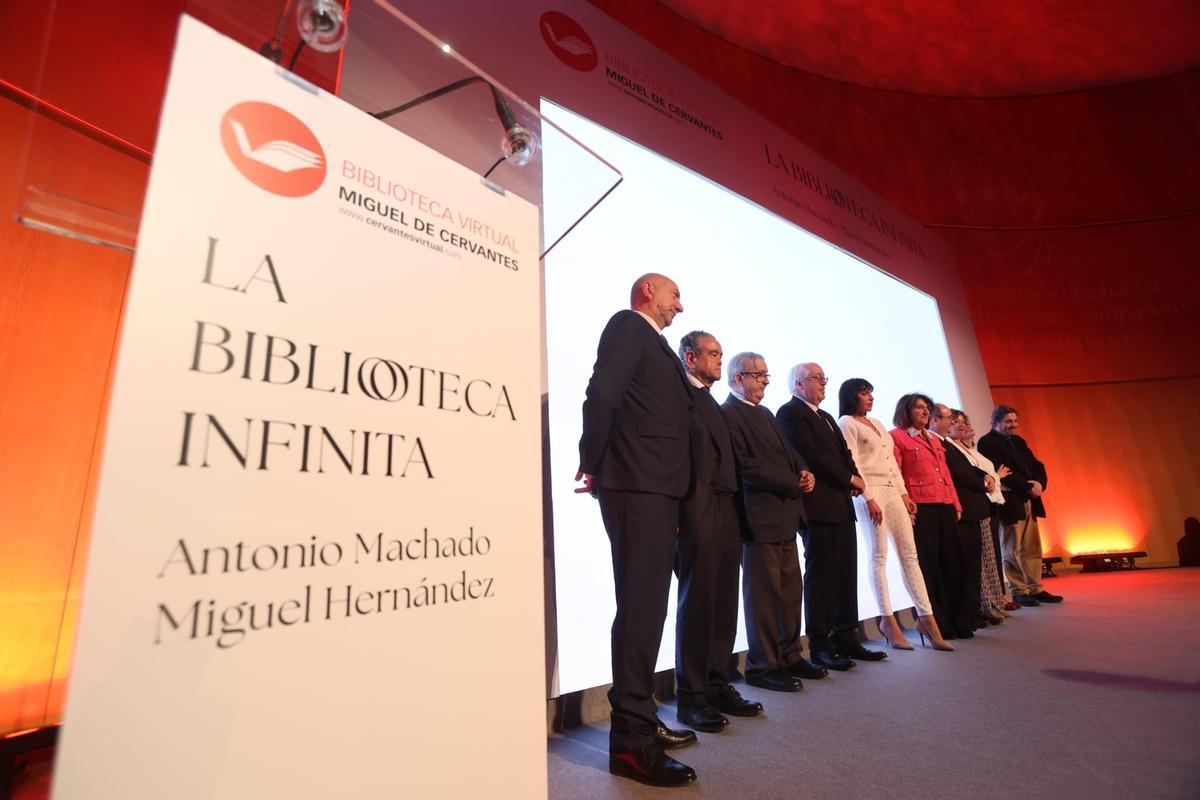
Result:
[
  {"x": 773, "y": 590},
  {"x": 641, "y": 530},
  {"x": 967, "y": 594},
  {"x": 830, "y": 582},
  {"x": 938, "y": 552},
  {"x": 707, "y": 560}
]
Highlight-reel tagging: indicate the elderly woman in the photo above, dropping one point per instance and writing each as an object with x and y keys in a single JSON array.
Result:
[
  {"x": 922, "y": 461},
  {"x": 994, "y": 604},
  {"x": 884, "y": 512}
]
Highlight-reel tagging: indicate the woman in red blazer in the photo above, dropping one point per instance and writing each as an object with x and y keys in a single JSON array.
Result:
[{"x": 922, "y": 461}]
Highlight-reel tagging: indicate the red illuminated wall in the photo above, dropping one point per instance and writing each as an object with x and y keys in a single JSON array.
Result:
[
  {"x": 100, "y": 69},
  {"x": 1074, "y": 220}
]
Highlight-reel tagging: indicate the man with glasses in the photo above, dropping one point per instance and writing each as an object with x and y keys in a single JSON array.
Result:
[
  {"x": 634, "y": 458},
  {"x": 709, "y": 551},
  {"x": 830, "y": 538},
  {"x": 772, "y": 478}
]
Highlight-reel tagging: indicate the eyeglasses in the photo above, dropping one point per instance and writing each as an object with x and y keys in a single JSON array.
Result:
[
  {"x": 762, "y": 376},
  {"x": 818, "y": 378}
]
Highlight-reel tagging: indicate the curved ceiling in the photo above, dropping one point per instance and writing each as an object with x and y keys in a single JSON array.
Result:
[{"x": 964, "y": 49}]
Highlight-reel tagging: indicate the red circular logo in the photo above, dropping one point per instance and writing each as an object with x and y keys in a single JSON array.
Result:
[
  {"x": 567, "y": 39},
  {"x": 273, "y": 149}
]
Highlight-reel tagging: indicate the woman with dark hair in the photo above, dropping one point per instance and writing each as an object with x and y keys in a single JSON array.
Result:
[
  {"x": 922, "y": 461},
  {"x": 884, "y": 511}
]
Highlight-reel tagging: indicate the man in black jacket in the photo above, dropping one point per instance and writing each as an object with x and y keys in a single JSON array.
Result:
[
  {"x": 773, "y": 476},
  {"x": 709, "y": 552},
  {"x": 634, "y": 457},
  {"x": 972, "y": 485},
  {"x": 830, "y": 537},
  {"x": 1019, "y": 534}
]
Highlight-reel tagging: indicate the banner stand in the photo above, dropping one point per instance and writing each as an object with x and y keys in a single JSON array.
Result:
[{"x": 318, "y": 517}]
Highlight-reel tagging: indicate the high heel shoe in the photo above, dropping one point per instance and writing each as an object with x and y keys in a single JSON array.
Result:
[
  {"x": 927, "y": 626},
  {"x": 892, "y": 633}
]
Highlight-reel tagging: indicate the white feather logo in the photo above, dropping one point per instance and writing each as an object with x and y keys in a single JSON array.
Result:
[
  {"x": 279, "y": 154},
  {"x": 572, "y": 44}
]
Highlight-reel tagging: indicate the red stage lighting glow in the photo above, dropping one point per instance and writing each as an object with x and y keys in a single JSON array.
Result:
[{"x": 1101, "y": 538}]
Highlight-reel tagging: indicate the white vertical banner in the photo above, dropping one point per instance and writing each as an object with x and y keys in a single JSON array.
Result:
[{"x": 315, "y": 568}]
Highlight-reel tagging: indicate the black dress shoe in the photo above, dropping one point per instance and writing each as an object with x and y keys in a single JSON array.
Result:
[
  {"x": 834, "y": 661},
  {"x": 966, "y": 634},
  {"x": 652, "y": 766},
  {"x": 669, "y": 739},
  {"x": 806, "y": 669},
  {"x": 776, "y": 681},
  {"x": 1027, "y": 599},
  {"x": 1045, "y": 597},
  {"x": 704, "y": 718},
  {"x": 856, "y": 650},
  {"x": 730, "y": 702}
]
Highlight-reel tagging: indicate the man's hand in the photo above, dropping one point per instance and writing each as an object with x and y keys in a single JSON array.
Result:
[
  {"x": 1035, "y": 488},
  {"x": 958, "y": 516},
  {"x": 587, "y": 483},
  {"x": 989, "y": 483},
  {"x": 859, "y": 486},
  {"x": 875, "y": 512},
  {"x": 807, "y": 481},
  {"x": 909, "y": 505},
  {"x": 1003, "y": 471}
]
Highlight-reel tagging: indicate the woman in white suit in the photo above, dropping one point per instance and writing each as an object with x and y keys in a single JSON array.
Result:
[{"x": 884, "y": 512}]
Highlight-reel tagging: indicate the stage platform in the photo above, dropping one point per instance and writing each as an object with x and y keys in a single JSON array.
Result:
[{"x": 1095, "y": 698}]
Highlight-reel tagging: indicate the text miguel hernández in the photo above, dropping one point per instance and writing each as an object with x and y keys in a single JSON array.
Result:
[{"x": 228, "y": 624}]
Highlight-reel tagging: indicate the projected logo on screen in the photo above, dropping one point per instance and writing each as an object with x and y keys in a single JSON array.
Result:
[
  {"x": 273, "y": 149},
  {"x": 567, "y": 39}
]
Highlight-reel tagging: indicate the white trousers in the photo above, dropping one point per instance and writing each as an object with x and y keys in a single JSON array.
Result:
[{"x": 896, "y": 526}]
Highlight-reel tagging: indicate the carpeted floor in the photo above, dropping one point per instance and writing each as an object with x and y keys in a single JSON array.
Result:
[{"x": 1096, "y": 698}]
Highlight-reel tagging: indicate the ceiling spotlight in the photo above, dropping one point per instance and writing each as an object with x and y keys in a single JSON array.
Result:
[{"x": 322, "y": 24}]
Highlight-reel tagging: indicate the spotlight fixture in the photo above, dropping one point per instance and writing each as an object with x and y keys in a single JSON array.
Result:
[
  {"x": 1108, "y": 561},
  {"x": 322, "y": 24}
]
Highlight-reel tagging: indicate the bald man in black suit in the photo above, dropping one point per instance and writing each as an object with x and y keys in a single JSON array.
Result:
[{"x": 634, "y": 457}]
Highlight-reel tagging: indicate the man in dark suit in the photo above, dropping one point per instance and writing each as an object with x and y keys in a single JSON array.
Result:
[
  {"x": 772, "y": 478},
  {"x": 634, "y": 457},
  {"x": 830, "y": 538},
  {"x": 1019, "y": 534},
  {"x": 708, "y": 554}
]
